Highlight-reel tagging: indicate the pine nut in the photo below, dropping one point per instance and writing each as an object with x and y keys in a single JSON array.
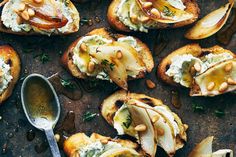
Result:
[
  {"x": 91, "y": 67},
  {"x": 231, "y": 81},
  {"x": 140, "y": 127},
  {"x": 83, "y": 47},
  {"x": 57, "y": 137},
  {"x": 25, "y": 15},
  {"x": 21, "y": 7},
  {"x": 155, "y": 12},
  {"x": 38, "y": 1},
  {"x": 155, "y": 118},
  {"x": 223, "y": 87},
  {"x": 19, "y": 20},
  {"x": 134, "y": 18},
  {"x": 31, "y": 12},
  {"x": 197, "y": 67},
  {"x": 119, "y": 54},
  {"x": 104, "y": 141},
  {"x": 160, "y": 131},
  {"x": 210, "y": 86},
  {"x": 150, "y": 84},
  {"x": 147, "y": 4},
  {"x": 192, "y": 71},
  {"x": 228, "y": 67},
  {"x": 144, "y": 19}
]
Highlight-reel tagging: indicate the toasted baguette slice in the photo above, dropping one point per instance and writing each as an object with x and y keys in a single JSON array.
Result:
[
  {"x": 145, "y": 54},
  {"x": 10, "y": 57},
  {"x": 193, "y": 49},
  {"x": 74, "y": 15},
  {"x": 77, "y": 141},
  {"x": 191, "y": 6},
  {"x": 113, "y": 103}
]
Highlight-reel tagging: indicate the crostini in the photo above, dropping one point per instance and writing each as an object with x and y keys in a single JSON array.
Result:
[
  {"x": 142, "y": 15},
  {"x": 204, "y": 149},
  {"x": 30, "y": 17},
  {"x": 100, "y": 146},
  {"x": 10, "y": 67},
  {"x": 104, "y": 55},
  {"x": 206, "y": 71},
  {"x": 147, "y": 119}
]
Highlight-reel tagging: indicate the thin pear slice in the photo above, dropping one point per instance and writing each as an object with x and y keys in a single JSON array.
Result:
[
  {"x": 218, "y": 74},
  {"x": 124, "y": 152},
  {"x": 130, "y": 57},
  {"x": 147, "y": 138},
  {"x": 211, "y": 23},
  {"x": 167, "y": 12}
]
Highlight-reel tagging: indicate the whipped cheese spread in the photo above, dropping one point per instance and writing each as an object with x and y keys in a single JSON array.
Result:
[{"x": 5, "y": 75}]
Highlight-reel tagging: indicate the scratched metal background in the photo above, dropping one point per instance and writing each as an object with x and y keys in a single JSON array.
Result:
[{"x": 13, "y": 125}]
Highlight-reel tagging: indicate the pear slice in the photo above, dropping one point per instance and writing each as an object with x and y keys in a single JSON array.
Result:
[
  {"x": 167, "y": 12},
  {"x": 204, "y": 149},
  {"x": 218, "y": 74},
  {"x": 147, "y": 137},
  {"x": 124, "y": 152},
  {"x": 211, "y": 23}
]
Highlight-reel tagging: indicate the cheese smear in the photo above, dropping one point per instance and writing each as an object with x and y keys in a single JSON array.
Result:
[{"x": 5, "y": 77}]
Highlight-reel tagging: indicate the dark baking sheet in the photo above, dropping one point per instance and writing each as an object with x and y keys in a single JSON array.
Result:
[{"x": 14, "y": 126}]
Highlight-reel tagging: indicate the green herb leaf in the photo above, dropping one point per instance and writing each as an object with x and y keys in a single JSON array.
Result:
[
  {"x": 128, "y": 122},
  {"x": 67, "y": 84},
  {"x": 167, "y": 11},
  {"x": 198, "y": 108},
  {"x": 88, "y": 116},
  {"x": 106, "y": 63},
  {"x": 43, "y": 57},
  {"x": 219, "y": 113}
]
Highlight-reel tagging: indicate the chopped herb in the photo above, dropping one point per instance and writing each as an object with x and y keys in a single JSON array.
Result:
[
  {"x": 43, "y": 57},
  {"x": 107, "y": 63},
  {"x": 67, "y": 84},
  {"x": 128, "y": 122},
  {"x": 219, "y": 113},
  {"x": 66, "y": 2},
  {"x": 198, "y": 108},
  {"x": 88, "y": 116},
  {"x": 167, "y": 11}
]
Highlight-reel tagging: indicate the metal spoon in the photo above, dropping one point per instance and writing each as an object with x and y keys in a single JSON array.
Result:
[{"x": 41, "y": 106}]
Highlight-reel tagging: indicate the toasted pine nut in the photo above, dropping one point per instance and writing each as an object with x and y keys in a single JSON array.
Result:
[
  {"x": 192, "y": 71},
  {"x": 21, "y": 7},
  {"x": 223, "y": 87},
  {"x": 38, "y": 1},
  {"x": 19, "y": 20},
  {"x": 210, "y": 86},
  {"x": 83, "y": 47},
  {"x": 144, "y": 19},
  {"x": 140, "y": 127},
  {"x": 160, "y": 131},
  {"x": 155, "y": 118},
  {"x": 147, "y": 4},
  {"x": 231, "y": 81},
  {"x": 25, "y": 15},
  {"x": 31, "y": 12},
  {"x": 197, "y": 67},
  {"x": 91, "y": 67},
  {"x": 155, "y": 12},
  {"x": 185, "y": 126},
  {"x": 134, "y": 18},
  {"x": 119, "y": 54},
  {"x": 57, "y": 137},
  {"x": 104, "y": 141},
  {"x": 228, "y": 67},
  {"x": 150, "y": 84}
]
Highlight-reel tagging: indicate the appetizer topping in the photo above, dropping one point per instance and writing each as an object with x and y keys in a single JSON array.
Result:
[
  {"x": 43, "y": 16},
  {"x": 223, "y": 81},
  {"x": 116, "y": 60},
  {"x": 204, "y": 148},
  {"x": 150, "y": 84},
  {"x": 99, "y": 146},
  {"x": 229, "y": 67},
  {"x": 5, "y": 75},
  {"x": 155, "y": 118},
  {"x": 140, "y": 128},
  {"x": 181, "y": 67},
  {"x": 211, "y": 23},
  {"x": 147, "y": 4}
]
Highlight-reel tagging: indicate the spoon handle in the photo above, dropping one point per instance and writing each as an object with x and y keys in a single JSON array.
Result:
[{"x": 52, "y": 143}]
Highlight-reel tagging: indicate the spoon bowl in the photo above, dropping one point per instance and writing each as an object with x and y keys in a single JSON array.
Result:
[{"x": 41, "y": 106}]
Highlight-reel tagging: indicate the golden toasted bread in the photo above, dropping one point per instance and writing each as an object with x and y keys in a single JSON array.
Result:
[
  {"x": 11, "y": 58},
  {"x": 113, "y": 103},
  {"x": 74, "y": 15},
  {"x": 191, "y": 7},
  {"x": 193, "y": 49},
  {"x": 76, "y": 142},
  {"x": 144, "y": 54}
]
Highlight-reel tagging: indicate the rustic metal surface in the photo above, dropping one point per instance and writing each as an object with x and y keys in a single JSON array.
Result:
[{"x": 14, "y": 127}]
